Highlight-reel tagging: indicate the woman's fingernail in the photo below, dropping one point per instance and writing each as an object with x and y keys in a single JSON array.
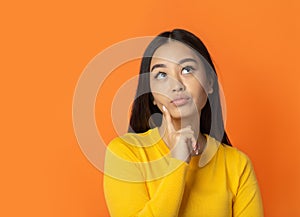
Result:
[
  {"x": 195, "y": 147},
  {"x": 164, "y": 108}
]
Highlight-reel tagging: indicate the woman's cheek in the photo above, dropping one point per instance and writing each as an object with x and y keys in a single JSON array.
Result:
[
  {"x": 160, "y": 92},
  {"x": 160, "y": 99}
]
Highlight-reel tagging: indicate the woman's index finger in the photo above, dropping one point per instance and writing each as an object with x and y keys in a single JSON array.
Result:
[{"x": 170, "y": 126}]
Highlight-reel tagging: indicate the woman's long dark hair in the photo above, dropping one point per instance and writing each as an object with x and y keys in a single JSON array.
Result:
[{"x": 145, "y": 115}]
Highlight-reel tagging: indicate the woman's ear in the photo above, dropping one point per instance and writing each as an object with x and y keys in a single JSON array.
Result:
[
  {"x": 154, "y": 103},
  {"x": 210, "y": 88}
]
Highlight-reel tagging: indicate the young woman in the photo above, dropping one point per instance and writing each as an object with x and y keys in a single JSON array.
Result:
[{"x": 176, "y": 159}]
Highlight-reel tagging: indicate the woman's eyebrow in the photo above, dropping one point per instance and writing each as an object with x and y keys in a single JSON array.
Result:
[
  {"x": 180, "y": 62},
  {"x": 158, "y": 66},
  {"x": 187, "y": 60}
]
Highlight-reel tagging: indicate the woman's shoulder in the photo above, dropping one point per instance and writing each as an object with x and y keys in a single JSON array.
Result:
[
  {"x": 144, "y": 139},
  {"x": 231, "y": 156},
  {"x": 233, "y": 153},
  {"x": 232, "y": 150},
  {"x": 134, "y": 142},
  {"x": 235, "y": 159}
]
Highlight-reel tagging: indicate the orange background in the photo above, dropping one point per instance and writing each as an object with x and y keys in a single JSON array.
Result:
[{"x": 46, "y": 45}]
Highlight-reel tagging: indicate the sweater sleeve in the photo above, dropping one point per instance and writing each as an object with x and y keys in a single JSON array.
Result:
[
  {"x": 248, "y": 199},
  {"x": 127, "y": 195}
]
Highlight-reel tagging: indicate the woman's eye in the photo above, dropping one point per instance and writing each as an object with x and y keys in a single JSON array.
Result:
[
  {"x": 160, "y": 75},
  {"x": 187, "y": 70}
]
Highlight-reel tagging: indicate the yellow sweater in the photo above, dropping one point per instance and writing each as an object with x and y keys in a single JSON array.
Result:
[{"x": 142, "y": 180}]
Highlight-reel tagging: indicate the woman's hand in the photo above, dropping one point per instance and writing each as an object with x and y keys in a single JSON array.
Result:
[{"x": 182, "y": 143}]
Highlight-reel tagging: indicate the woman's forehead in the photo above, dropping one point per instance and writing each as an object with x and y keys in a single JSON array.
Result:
[{"x": 174, "y": 51}]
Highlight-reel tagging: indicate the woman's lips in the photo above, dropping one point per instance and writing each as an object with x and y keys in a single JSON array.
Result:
[{"x": 180, "y": 101}]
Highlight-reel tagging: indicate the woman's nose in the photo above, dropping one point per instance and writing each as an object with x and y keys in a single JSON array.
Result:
[{"x": 177, "y": 84}]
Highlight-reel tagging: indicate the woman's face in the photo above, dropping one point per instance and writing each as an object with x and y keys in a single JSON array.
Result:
[{"x": 178, "y": 80}]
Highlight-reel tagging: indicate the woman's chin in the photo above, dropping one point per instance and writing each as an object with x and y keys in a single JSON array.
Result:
[{"x": 184, "y": 113}]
